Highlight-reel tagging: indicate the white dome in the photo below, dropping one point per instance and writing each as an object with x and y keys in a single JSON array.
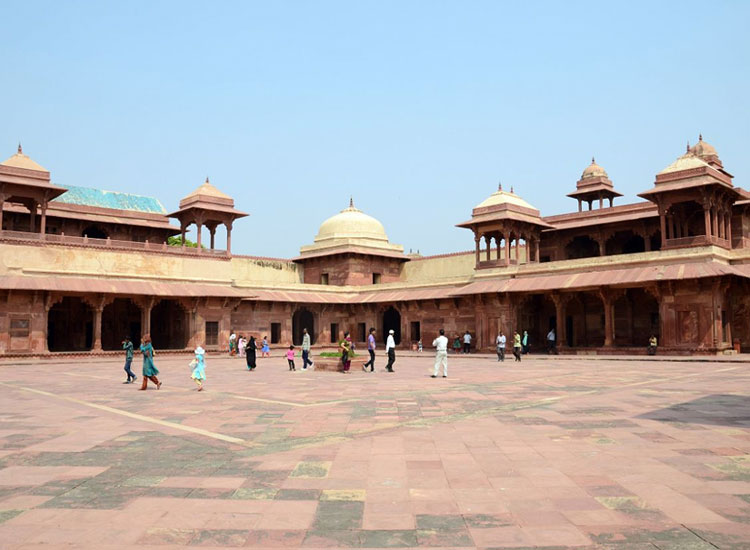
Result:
[{"x": 351, "y": 223}]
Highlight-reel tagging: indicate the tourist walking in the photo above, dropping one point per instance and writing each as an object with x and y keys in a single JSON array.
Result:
[
  {"x": 500, "y": 343},
  {"x": 306, "y": 344},
  {"x": 441, "y": 354},
  {"x": 290, "y": 357},
  {"x": 149, "y": 370},
  {"x": 232, "y": 344},
  {"x": 241, "y": 345},
  {"x": 250, "y": 358},
  {"x": 551, "y": 342},
  {"x": 652, "y": 343},
  {"x": 525, "y": 342},
  {"x": 517, "y": 346},
  {"x": 265, "y": 350},
  {"x": 371, "y": 351},
  {"x": 467, "y": 342},
  {"x": 390, "y": 349},
  {"x": 199, "y": 367},
  {"x": 346, "y": 348},
  {"x": 127, "y": 345}
]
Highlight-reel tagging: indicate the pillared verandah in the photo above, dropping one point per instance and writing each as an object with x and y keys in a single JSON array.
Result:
[{"x": 83, "y": 267}]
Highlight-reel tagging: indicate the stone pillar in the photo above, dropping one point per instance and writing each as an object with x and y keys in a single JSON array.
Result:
[
  {"x": 212, "y": 230},
  {"x": 43, "y": 228},
  {"x": 98, "y": 309},
  {"x": 228, "y": 225},
  {"x": 560, "y": 303},
  {"x": 477, "y": 238},
  {"x": 2, "y": 200},
  {"x": 488, "y": 242},
  {"x": 146, "y": 308},
  {"x": 715, "y": 213},
  {"x": 507, "y": 248},
  {"x": 183, "y": 229},
  {"x": 663, "y": 221},
  {"x": 707, "y": 218},
  {"x": 580, "y": 205},
  {"x": 609, "y": 332},
  {"x": 728, "y": 229},
  {"x": 602, "y": 245},
  {"x": 537, "y": 253},
  {"x": 498, "y": 238},
  {"x": 199, "y": 225}
]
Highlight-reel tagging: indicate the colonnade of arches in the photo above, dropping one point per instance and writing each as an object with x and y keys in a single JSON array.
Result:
[
  {"x": 580, "y": 318},
  {"x": 72, "y": 324}
]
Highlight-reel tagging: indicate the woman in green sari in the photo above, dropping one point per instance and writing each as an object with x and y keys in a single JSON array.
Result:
[{"x": 149, "y": 370}]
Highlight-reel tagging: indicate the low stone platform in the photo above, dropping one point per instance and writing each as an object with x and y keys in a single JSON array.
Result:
[{"x": 546, "y": 453}]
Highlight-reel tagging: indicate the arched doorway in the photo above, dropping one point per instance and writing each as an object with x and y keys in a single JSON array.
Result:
[
  {"x": 94, "y": 232},
  {"x": 584, "y": 321},
  {"x": 536, "y": 314},
  {"x": 302, "y": 318},
  {"x": 392, "y": 321},
  {"x": 121, "y": 318},
  {"x": 70, "y": 326},
  {"x": 581, "y": 247},
  {"x": 169, "y": 325},
  {"x": 636, "y": 318}
]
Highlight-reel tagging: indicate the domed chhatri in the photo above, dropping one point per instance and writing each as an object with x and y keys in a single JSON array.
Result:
[
  {"x": 351, "y": 230},
  {"x": 593, "y": 170},
  {"x": 706, "y": 152},
  {"x": 19, "y": 160},
  {"x": 594, "y": 185},
  {"x": 503, "y": 197}
]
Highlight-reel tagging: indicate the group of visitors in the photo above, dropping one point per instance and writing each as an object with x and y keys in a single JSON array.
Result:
[
  {"x": 238, "y": 345},
  {"x": 149, "y": 369}
]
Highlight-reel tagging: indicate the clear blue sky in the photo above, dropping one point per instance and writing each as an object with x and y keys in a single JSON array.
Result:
[{"x": 417, "y": 109}]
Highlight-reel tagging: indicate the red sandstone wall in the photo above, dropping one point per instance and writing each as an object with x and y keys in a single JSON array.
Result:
[{"x": 350, "y": 269}]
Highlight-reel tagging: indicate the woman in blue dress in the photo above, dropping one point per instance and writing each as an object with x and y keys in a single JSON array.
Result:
[
  {"x": 149, "y": 370},
  {"x": 265, "y": 351}
]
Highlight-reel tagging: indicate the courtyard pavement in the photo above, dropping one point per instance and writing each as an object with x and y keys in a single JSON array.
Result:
[{"x": 545, "y": 453}]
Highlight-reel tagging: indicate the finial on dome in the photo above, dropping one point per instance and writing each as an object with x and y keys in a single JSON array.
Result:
[
  {"x": 20, "y": 149},
  {"x": 593, "y": 161},
  {"x": 511, "y": 189},
  {"x": 351, "y": 202},
  {"x": 687, "y": 149},
  {"x": 499, "y": 186},
  {"x": 207, "y": 180},
  {"x": 700, "y": 137}
]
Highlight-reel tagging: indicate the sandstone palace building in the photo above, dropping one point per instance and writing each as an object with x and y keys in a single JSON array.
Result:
[{"x": 80, "y": 268}]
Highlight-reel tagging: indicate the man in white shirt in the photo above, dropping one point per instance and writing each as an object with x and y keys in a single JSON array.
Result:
[
  {"x": 441, "y": 354},
  {"x": 500, "y": 342},
  {"x": 390, "y": 349},
  {"x": 467, "y": 342}
]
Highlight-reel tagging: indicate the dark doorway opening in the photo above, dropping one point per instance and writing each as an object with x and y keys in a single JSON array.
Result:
[
  {"x": 302, "y": 318},
  {"x": 121, "y": 318},
  {"x": 94, "y": 232},
  {"x": 416, "y": 331},
  {"x": 169, "y": 325},
  {"x": 334, "y": 333},
  {"x": 70, "y": 326},
  {"x": 392, "y": 321},
  {"x": 275, "y": 333}
]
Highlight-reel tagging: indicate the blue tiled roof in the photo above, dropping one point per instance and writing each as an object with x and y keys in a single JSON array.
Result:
[{"x": 85, "y": 196}]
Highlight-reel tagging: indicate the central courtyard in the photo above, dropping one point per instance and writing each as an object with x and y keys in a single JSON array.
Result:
[{"x": 551, "y": 452}]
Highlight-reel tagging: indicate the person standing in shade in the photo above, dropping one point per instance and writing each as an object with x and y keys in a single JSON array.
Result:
[
  {"x": 517, "y": 346},
  {"x": 346, "y": 348},
  {"x": 441, "y": 354},
  {"x": 525, "y": 342},
  {"x": 467, "y": 342},
  {"x": 252, "y": 347},
  {"x": 551, "y": 339},
  {"x": 127, "y": 345},
  {"x": 652, "y": 343},
  {"x": 306, "y": 344},
  {"x": 390, "y": 349},
  {"x": 500, "y": 343},
  {"x": 371, "y": 351},
  {"x": 149, "y": 370}
]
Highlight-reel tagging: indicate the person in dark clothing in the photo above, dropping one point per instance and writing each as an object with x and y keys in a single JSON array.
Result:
[
  {"x": 250, "y": 350},
  {"x": 127, "y": 345}
]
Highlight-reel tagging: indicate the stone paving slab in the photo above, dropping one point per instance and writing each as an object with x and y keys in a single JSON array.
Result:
[{"x": 546, "y": 454}]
